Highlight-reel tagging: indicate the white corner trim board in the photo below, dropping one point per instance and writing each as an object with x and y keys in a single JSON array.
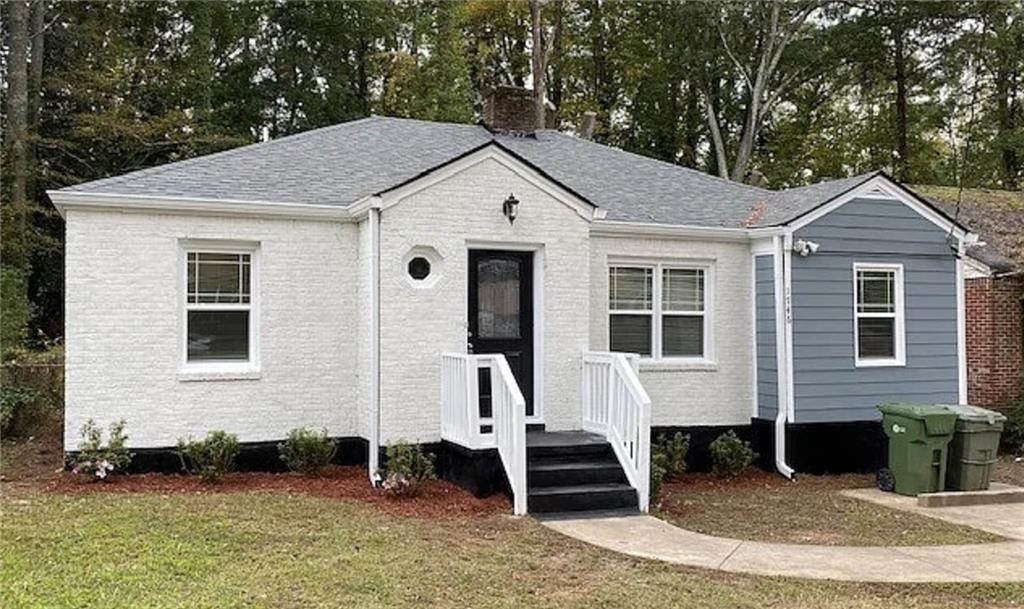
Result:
[{"x": 64, "y": 200}]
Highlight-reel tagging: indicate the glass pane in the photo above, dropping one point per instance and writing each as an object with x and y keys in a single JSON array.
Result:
[
  {"x": 630, "y": 289},
  {"x": 498, "y": 298},
  {"x": 682, "y": 336},
  {"x": 631, "y": 334},
  {"x": 876, "y": 337},
  {"x": 219, "y": 278},
  {"x": 682, "y": 290},
  {"x": 876, "y": 291},
  {"x": 218, "y": 335}
]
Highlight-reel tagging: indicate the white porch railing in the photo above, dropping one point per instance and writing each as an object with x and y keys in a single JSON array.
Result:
[
  {"x": 462, "y": 424},
  {"x": 616, "y": 406}
]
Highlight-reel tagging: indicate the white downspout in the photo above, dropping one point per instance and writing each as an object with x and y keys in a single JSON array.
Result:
[
  {"x": 782, "y": 325},
  {"x": 961, "y": 324},
  {"x": 374, "y": 457}
]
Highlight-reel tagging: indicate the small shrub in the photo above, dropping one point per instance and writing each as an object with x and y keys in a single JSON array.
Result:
[
  {"x": 668, "y": 459},
  {"x": 14, "y": 401},
  {"x": 211, "y": 457},
  {"x": 730, "y": 455},
  {"x": 1013, "y": 435},
  {"x": 98, "y": 460},
  {"x": 406, "y": 467},
  {"x": 307, "y": 451}
]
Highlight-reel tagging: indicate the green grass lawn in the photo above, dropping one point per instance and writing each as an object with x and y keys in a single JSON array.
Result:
[
  {"x": 272, "y": 549},
  {"x": 763, "y": 506}
]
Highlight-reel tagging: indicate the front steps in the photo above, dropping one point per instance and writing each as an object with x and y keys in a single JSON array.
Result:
[{"x": 572, "y": 471}]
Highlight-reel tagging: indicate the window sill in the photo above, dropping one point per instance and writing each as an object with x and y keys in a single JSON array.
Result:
[
  {"x": 670, "y": 365},
  {"x": 218, "y": 373},
  {"x": 879, "y": 363}
]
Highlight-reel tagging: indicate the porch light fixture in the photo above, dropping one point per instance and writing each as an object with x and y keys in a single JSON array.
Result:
[{"x": 510, "y": 208}]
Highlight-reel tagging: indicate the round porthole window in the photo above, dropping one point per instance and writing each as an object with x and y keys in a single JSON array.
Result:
[{"x": 419, "y": 268}]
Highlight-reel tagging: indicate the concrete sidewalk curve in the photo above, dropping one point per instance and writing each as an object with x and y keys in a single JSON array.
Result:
[{"x": 648, "y": 537}]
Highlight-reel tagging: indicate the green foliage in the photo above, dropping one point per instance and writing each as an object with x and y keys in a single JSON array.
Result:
[
  {"x": 15, "y": 305},
  {"x": 210, "y": 458},
  {"x": 13, "y": 402},
  {"x": 97, "y": 459},
  {"x": 730, "y": 455},
  {"x": 32, "y": 386},
  {"x": 1013, "y": 434},
  {"x": 668, "y": 459},
  {"x": 406, "y": 467},
  {"x": 307, "y": 451}
]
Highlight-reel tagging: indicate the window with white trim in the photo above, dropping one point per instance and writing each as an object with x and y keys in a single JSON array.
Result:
[
  {"x": 659, "y": 311},
  {"x": 878, "y": 315},
  {"x": 218, "y": 307}
]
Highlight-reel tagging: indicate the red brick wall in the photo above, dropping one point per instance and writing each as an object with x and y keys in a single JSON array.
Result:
[{"x": 995, "y": 340}]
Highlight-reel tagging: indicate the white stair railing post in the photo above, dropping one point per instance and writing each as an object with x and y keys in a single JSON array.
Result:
[{"x": 617, "y": 405}]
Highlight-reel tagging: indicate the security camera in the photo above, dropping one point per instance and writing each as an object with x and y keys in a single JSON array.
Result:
[{"x": 804, "y": 248}]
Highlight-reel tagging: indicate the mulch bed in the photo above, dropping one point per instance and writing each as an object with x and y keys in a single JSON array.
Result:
[
  {"x": 437, "y": 499},
  {"x": 754, "y": 478}
]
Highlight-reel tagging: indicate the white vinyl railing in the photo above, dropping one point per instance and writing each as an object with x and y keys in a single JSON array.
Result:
[
  {"x": 462, "y": 424},
  {"x": 616, "y": 406}
]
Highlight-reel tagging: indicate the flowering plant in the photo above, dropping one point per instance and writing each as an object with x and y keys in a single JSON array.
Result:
[{"x": 98, "y": 460}]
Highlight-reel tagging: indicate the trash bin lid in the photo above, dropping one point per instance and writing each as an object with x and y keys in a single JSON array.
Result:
[
  {"x": 938, "y": 420},
  {"x": 975, "y": 414}
]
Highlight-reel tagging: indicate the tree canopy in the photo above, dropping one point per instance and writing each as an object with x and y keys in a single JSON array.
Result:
[{"x": 781, "y": 94}]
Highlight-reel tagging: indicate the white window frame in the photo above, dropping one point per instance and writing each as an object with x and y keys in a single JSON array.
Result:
[
  {"x": 657, "y": 312},
  {"x": 899, "y": 316},
  {"x": 202, "y": 370}
]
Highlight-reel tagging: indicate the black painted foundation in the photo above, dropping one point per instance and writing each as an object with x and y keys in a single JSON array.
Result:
[
  {"x": 826, "y": 448},
  {"x": 811, "y": 448},
  {"x": 478, "y": 471}
]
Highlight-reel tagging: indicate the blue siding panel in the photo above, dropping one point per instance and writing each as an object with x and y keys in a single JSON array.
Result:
[
  {"x": 767, "y": 375},
  {"x": 827, "y": 387}
]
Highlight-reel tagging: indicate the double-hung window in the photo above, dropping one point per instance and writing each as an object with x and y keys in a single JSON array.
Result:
[
  {"x": 878, "y": 315},
  {"x": 219, "y": 313},
  {"x": 659, "y": 311}
]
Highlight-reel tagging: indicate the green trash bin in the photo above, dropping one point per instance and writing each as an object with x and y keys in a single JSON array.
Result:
[
  {"x": 918, "y": 437},
  {"x": 972, "y": 453}
]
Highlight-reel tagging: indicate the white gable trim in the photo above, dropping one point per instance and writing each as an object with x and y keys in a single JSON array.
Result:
[
  {"x": 490, "y": 152},
  {"x": 881, "y": 187},
  {"x": 65, "y": 200}
]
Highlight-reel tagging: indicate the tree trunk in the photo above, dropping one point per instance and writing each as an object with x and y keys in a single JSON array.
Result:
[
  {"x": 17, "y": 115},
  {"x": 35, "y": 75},
  {"x": 539, "y": 67},
  {"x": 35, "y": 91},
  {"x": 717, "y": 141},
  {"x": 557, "y": 41},
  {"x": 15, "y": 225},
  {"x": 900, "y": 126}
]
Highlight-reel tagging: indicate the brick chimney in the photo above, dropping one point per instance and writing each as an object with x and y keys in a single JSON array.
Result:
[{"x": 509, "y": 109}]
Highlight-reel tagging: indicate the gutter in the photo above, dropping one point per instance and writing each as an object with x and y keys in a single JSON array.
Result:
[{"x": 64, "y": 200}]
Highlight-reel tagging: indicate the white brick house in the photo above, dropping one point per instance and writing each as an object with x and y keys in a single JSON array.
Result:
[{"x": 320, "y": 280}]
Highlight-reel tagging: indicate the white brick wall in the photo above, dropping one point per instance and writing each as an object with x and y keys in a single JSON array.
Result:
[
  {"x": 417, "y": 325},
  {"x": 691, "y": 397},
  {"x": 124, "y": 317},
  {"x": 123, "y": 311}
]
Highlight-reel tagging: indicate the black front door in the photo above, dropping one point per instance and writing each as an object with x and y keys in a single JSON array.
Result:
[{"x": 501, "y": 315}]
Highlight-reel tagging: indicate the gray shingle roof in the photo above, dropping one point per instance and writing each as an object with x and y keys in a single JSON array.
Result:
[{"x": 341, "y": 164}]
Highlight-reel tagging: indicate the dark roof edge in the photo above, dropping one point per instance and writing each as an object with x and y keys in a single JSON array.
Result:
[{"x": 476, "y": 149}]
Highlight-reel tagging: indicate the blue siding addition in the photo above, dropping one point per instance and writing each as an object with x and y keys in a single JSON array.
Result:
[
  {"x": 767, "y": 369},
  {"x": 827, "y": 387}
]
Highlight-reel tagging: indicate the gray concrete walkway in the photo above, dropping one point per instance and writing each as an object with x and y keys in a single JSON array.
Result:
[{"x": 649, "y": 537}]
